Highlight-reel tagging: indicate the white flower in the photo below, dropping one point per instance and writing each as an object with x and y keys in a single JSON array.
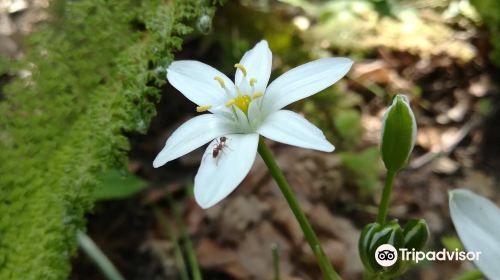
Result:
[
  {"x": 477, "y": 221},
  {"x": 242, "y": 111}
]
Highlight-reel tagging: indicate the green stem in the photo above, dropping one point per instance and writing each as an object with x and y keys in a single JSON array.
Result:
[
  {"x": 169, "y": 233},
  {"x": 386, "y": 196},
  {"x": 470, "y": 275},
  {"x": 98, "y": 257},
  {"x": 325, "y": 265},
  {"x": 188, "y": 245}
]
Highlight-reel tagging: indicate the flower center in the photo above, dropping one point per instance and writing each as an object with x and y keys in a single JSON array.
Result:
[
  {"x": 242, "y": 102},
  {"x": 243, "y": 99}
]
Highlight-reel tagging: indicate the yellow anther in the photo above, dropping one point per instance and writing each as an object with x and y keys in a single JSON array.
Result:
[
  {"x": 200, "y": 109},
  {"x": 230, "y": 102},
  {"x": 252, "y": 82},
  {"x": 221, "y": 81},
  {"x": 257, "y": 95},
  {"x": 242, "y": 69}
]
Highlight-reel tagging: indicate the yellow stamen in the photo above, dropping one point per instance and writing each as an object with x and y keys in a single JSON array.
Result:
[
  {"x": 257, "y": 95},
  {"x": 241, "y": 102},
  {"x": 242, "y": 69},
  {"x": 221, "y": 81},
  {"x": 200, "y": 109},
  {"x": 252, "y": 82}
]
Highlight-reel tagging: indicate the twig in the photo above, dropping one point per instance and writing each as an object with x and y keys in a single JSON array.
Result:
[{"x": 445, "y": 151}]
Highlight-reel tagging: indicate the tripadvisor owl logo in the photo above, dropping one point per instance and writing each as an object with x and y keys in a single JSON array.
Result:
[{"x": 386, "y": 255}]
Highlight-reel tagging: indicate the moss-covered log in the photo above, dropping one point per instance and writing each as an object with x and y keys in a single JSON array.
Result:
[{"x": 92, "y": 74}]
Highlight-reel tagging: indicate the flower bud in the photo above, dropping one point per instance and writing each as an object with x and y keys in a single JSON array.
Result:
[
  {"x": 399, "y": 130},
  {"x": 415, "y": 234},
  {"x": 364, "y": 243},
  {"x": 374, "y": 235}
]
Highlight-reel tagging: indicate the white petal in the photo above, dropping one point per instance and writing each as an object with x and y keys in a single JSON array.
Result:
[
  {"x": 290, "y": 128},
  {"x": 241, "y": 119},
  {"x": 191, "y": 135},
  {"x": 258, "y": 63},
  {"x": 305, "y": 80},
  {"x": 196, "y": 81},
  {"x": 477, "y": 221},
  {"x": 219, "y": 176},
  {"x": 255, "y": 115}
]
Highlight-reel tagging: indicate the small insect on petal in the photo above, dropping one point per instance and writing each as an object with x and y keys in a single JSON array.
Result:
[{"x": 220, "y": 144}]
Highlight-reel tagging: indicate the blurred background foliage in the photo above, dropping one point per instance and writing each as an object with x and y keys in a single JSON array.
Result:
[
  {"x": 489, "y": 11},
  {"x": 86, "y": 81}
]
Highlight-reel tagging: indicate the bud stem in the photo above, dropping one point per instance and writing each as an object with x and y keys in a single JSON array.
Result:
[
  {"x": 325, "y": 265},
  {"x": 386, "y": 195}
]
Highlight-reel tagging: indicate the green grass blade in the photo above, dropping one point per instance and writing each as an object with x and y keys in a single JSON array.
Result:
[
  {"x": 188, "y": 245},
  {"x": 179, "y": 259},
  {"x": 98, "y": 257}
]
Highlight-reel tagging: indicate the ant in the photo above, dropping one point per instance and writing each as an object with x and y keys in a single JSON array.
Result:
[
  {"x": 218, "y": 149},
  {"x": 219, "y": 145}
]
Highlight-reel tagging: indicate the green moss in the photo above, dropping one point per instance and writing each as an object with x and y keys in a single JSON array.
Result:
[
  {"x": 490, "y": 13},
  {"x": 94, "y": 72}
]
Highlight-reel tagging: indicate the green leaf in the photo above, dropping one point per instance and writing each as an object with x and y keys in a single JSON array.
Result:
[
  {"x": 116, "y": 185},
  {"x": 4, "y": 65},
  {"x": 451, "y": 243},
  {"x": 348, "y": 124},
  {"x": 364, "y": 166}
]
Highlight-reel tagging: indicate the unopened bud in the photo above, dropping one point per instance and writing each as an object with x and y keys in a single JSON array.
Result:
[
  {"x": 415, "y": 234},
  {"x": 399, "y": 131},
  {"x": 375, "y": 235}
]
